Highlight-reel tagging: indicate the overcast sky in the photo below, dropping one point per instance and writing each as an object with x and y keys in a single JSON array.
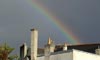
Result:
[{"x": 17, "y": 17}]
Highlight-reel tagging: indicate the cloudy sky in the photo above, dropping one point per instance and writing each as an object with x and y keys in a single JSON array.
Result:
[{"x": 17, "y": 17}]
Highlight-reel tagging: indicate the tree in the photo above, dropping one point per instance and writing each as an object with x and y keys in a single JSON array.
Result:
[
  {"x": 5, "y": 50},
  {"x": 13, "y": 57}
]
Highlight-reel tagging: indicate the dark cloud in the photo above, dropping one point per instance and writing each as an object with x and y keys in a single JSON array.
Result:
[
  {"x": 83, "y": 17},
  {"x": 17, "y": 17}
]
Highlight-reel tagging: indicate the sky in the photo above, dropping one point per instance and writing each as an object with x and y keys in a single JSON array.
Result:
[{"x": 17, "y": 17}]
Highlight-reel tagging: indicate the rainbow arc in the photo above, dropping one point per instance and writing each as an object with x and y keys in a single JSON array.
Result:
[{"x": 67, "y": 32}]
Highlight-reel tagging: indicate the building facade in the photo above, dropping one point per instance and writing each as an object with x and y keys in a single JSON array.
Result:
[{"x": 58, "y": 52}]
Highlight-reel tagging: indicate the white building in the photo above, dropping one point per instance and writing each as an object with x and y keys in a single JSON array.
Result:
[
  {"x": 59, "y": 52},
  {"x": 72, "y": 55}
]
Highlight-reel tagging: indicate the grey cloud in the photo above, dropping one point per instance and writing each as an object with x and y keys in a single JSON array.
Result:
[{"x": 17, "y": 17}]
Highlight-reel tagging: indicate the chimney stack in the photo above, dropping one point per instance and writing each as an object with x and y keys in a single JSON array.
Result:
[
  {"x": 34, "y": 44},
  {"x": 97, "y": 51},
  {"x": 65, "y": 47},
  {"x": 23, "y": 51}
]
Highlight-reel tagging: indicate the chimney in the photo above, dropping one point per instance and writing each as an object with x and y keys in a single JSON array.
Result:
[
  {"x": 65, "y": 47},
  {"x": 23, "y": 51},
  {"x": 50, "y": 45},
  {"x": 34, "y": 44},
  {"x": 97, "y": 51},
  {"x": 49, "y": 41}
]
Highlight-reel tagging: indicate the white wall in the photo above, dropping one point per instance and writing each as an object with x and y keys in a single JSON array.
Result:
[
  {"x": 63, "y": 56},
  {"x": 40, "y": 58},
  {"x": 81, "y": 55},
  {"x": 75, "y": 55}
]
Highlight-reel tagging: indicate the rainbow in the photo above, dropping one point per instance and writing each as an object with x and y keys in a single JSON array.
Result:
[{"x": 67, "y": 32}]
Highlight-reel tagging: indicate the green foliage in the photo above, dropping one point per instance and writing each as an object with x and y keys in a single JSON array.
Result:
[
  {"x": 13, "y": 57},
  {"x": 5, "y": 50}
]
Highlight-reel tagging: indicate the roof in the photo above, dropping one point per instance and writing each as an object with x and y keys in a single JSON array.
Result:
[{"x": 84, "y": 47}]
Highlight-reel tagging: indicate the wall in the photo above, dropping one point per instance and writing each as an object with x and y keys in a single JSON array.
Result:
[
  {"x": 62, "y": 56},
  {"x": 81, "y": 55},
  {"x": 40, "y": 58}
]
